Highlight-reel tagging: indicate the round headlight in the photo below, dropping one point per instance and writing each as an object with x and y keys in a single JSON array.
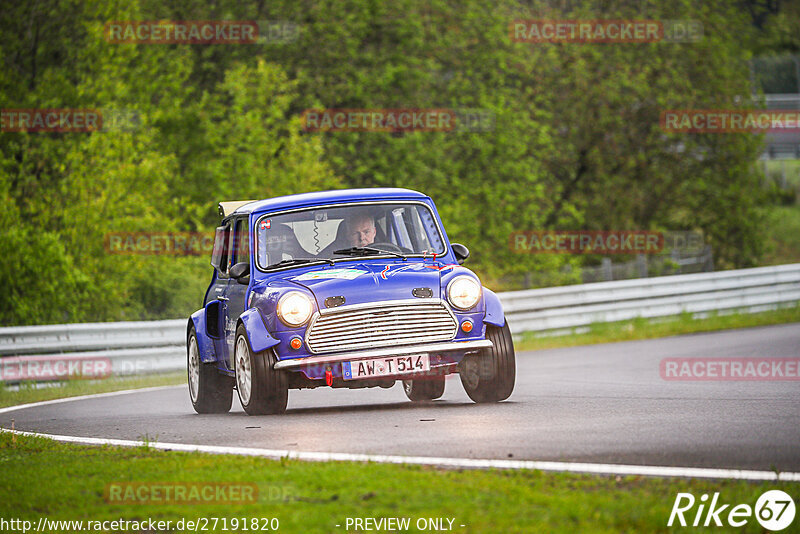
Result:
[
  {"x": 463, "y": 292},
  {"x": 294, "y": 308}
]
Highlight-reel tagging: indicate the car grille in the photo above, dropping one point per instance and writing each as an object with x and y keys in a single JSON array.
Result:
[{"x": 382, "y": 325}]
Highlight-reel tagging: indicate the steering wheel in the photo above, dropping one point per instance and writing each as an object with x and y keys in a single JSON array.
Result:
[{"x": 388, "y": 246}]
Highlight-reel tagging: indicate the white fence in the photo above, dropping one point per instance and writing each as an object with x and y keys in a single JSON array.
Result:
[{"x": 158, "y": 346}]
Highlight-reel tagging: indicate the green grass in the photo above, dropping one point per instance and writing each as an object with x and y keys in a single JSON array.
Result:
[
  {"x": 73, "y": 388},
  {"x": 775, "y": 169},
  {"x": 315, "y": 497},
  {"x": 648, "y": 329},
  {"x": 782, "y": 235}
]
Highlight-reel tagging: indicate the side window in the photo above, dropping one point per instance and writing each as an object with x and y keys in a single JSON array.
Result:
[
  {"x": 241, "y": 242},
  {"x": 384, "y": 228},
  {"x": 219, "y": 255},
  {"x": 402, "y": 230},
  {"x": 432, "y": 234},
  {"x": 417, "y": 229}
]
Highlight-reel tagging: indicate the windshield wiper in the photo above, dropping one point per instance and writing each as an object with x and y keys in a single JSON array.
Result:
[
  {"x": 299, "y": 261},
  {"x": 355, "y": 251}
]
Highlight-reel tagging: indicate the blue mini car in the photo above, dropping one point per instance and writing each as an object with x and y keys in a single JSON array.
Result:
[{"x": 351, "y": 288}]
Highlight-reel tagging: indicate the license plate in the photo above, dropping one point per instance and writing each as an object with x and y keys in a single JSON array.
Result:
[{"x": 392, "y": 365}]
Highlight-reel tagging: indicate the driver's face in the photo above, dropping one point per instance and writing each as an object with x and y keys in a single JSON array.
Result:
[{"x": 361, "y": 232}]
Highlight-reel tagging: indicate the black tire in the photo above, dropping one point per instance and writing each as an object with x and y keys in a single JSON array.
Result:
[
  {"x": 489, "y": 375},
  {"x": 268, "y": 391},
  {"x": 210, "y": 391},
  {"x": 424, "y": 389}
]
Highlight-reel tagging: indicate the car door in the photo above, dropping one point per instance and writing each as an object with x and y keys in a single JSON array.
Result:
[
  {"x": 215, "y": 302},
  {"x": 235, "y": 292}
]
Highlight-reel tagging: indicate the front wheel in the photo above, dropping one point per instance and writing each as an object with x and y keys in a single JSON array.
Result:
[
  {"x": 209, "y": 390},
  {"x": 262, "y": 389},
  {"x": 424, "y": 389},
  {"x": 489, "y": 375}
]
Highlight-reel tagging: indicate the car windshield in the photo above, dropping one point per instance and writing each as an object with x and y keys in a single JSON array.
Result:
[{"x": 333, "y": 233}]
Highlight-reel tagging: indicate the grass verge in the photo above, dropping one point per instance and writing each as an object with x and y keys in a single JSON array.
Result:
[
  {"x": 776, "y": 168},
  {"x": 30, "y": 392},
  {"x": 647, "y": 329},
  {"x": 782, "y": 235},
  {"x": 316, "y": 497}
]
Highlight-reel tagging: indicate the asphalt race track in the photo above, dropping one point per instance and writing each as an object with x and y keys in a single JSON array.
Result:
[{"x": 602, "y": 403}]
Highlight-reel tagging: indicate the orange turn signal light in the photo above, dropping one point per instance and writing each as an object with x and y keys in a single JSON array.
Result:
[
  {"x": 466, "y": 326},
  {"x": 296, "y": 343}
]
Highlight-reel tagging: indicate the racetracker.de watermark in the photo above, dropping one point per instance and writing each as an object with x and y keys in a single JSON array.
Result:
[
  {"x": 605, "y": 31},
  {"x": 184, "y": 493},
  {"x": 56, "y": 367},
  {"x": 603, "y": 242},
  {"x": 63, "y": 120},
  {"x": 729, "y": 121},
  {"x": 200, "y": 32},
  {"x": 161, "y": 243},
  {"x": 398, "y": 120},
  {"x": 733, "y": 369}
]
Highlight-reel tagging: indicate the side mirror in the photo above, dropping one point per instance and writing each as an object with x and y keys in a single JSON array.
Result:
[
  {"x": 241, "y": 272},
  {"x": 461, "y": 252}
]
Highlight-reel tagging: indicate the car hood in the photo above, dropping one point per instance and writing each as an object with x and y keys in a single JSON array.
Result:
[{"x": 371, "y": 281}]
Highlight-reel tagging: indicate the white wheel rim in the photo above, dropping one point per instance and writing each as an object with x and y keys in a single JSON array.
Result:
[
  {"x": 194, "y": 369},
  {"x": 243, "y": 372}
]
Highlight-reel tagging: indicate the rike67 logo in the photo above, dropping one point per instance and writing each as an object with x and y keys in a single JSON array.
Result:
[{"x": 774, "y": 511}]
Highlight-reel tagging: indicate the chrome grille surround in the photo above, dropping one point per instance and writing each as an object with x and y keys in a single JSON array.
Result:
[{"x": 381, "y": 324}]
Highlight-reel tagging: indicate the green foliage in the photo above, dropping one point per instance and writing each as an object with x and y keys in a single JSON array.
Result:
[
  {"x": 783, "y": 235},
  {"x": 246, "y": 145},
  {"x": 576, "y": 142},
  {"x": 186, "y": 150}
]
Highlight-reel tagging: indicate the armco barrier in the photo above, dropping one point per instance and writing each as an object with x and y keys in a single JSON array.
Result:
[
  {"x": 139, "y": 347},
  {"x": 748, "y": 290},
  {"x": 159, "y": 346}
]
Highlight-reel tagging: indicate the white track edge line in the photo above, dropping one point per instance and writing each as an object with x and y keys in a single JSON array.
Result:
[
  {"x": 466, "y": 463},
  {"x": 84, "y": 397}
]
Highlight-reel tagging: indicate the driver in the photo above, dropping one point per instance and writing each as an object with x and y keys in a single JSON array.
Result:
[{"x": 360, "y": 230}]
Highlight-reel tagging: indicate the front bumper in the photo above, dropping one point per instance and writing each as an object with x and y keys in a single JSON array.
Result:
[{"x": 428, "y": 348}]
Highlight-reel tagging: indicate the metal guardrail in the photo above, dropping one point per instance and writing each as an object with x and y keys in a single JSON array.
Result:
[
  {"x": 748, "y": 290},
  {"x": 138, "y": 347},
  {"x": 158, "y": 346},
  {"x": 782, "y": 101},
  {"x": 91, "y": 336}
]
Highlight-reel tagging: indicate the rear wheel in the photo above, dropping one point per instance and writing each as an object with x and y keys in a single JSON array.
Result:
[
  {"x": 424, "y": 389},
  {"x": 209, "y": 390},
  {"x": 262, "y": 389},
  {"x": 489, "y": 375}
]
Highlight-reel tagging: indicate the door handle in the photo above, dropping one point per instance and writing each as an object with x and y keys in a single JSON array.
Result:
[{"x": 222, "y": 298}]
